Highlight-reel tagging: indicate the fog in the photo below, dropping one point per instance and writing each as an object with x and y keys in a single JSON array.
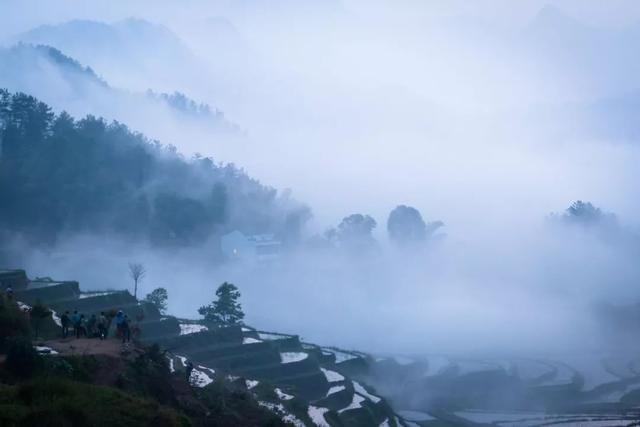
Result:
[{"x": 484, "y": 115}]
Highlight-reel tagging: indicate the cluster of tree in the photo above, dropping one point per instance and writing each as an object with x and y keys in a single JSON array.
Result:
[
  {"x": 405, "y": 227},
  {"x": 584, "y": 217},
  {"x": 180, "y": 102},
  {"x": 586, "y": 214},
  {"x": 60, "y": 175}
]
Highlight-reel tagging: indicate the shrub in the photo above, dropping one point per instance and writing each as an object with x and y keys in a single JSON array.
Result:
[
  {"x": 59, "y": 366},
  {"x": 82, "y": 367},
  {"x": 22, "y": 358},
  {"x": 39, "y": 312},
  {"x": 13, "y": 322},
  {"x": 148, "y": 375},
  {"x": 61, "y": 402}
]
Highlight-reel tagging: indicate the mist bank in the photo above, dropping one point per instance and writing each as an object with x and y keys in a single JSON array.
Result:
[
  {"x": 360, "y": 108},
  {"x": 84, "y": 198},
  {"x": 541, "y": 293}
]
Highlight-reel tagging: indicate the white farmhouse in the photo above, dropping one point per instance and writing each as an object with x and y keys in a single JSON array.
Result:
[{"x": 258, "y": 247}]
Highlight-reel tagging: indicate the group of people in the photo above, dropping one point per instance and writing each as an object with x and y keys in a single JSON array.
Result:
[
  {"x": 92, "y": 327},
  {"x": 95, "y": 326}
]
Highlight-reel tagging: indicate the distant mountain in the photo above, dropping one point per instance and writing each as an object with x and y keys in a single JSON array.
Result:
[
  {"x": 222, "y": 46},
  {"x": 597, "y": 61},
  {"x": 65, "y": 84},
  {"x": 133, "y": 53},
  {"x": 222, "y": 33},
  {"x": 595, "y": 72},
  {"x": 551, "y": 20}
]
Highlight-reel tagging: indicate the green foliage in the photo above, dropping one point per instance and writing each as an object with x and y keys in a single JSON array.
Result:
[
  {"x": 39, "y": 312},
  {"x": 143, "y": 392},
  {"x": 79, "y": 368},
  {"x": 59, "y": 366},
  {"x": 13, "y": 322},
  {"x": 59, "y": 174},
  {"x": 226, "y": 310},
  {"x": 22, "y": 359},
  {"x": 148, "y": 375},
  {"x": 158, "y": 297},
  {"x": 55, "y": 402}
]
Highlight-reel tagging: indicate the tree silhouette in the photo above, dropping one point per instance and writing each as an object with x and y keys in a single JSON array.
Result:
[
  {"x": 226, "y": 310},
  {"x": 39, "y": 312},
  {"x": 405, "y": 226},
  {"x": 158, "y": 297},
  {"x": 137, "y": 273},
  {"x": 355, "y": 232}
]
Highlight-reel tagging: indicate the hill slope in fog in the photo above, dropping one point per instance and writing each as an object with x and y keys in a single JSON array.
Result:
[
  {"x": 62, "y": 175},
  {"x": 65, "y": 84}
]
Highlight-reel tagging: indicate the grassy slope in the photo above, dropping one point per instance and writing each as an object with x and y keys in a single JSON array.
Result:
[
  {"x": 59, "y": 402},
  {"x": 113, "y": 391}
]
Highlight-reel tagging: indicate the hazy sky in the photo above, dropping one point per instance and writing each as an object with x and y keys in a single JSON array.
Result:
[
  {"x": 26, "y": 13},
  {"x": 505, "y": 12}
]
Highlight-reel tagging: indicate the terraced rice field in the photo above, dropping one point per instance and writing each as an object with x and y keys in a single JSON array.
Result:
[
  {"x": 538, "y": 419},
  {"x": 309, "y": 385},
  {"x": 583, "y": 390}
]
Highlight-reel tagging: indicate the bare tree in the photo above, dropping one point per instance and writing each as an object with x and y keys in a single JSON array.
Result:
[{"x": 137, "y": 273}]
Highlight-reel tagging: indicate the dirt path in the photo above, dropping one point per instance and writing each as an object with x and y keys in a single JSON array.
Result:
[{"x": 86, "y": 346}]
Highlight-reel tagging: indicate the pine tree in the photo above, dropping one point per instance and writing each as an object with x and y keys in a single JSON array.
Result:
[{"x": 226, "y": 310}]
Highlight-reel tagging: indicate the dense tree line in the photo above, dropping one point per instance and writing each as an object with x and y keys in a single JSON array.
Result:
[
  {"x": 405, "y": 226},
  {"x": 58, "y": 174}
]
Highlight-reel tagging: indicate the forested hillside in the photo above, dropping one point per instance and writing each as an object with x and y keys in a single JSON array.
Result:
[
  {"x": 61, "y": 175},
  {"x": 120, "y": 51}
]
